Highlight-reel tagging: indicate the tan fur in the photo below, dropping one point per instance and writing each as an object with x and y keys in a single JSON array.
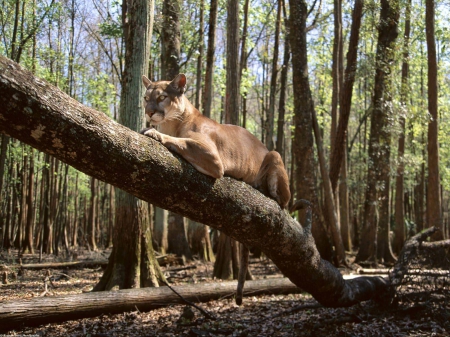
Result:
[{"x": 212, "y": 148}]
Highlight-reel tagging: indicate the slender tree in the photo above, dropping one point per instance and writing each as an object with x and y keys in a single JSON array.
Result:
[
  {"x": 209, "y": 70},
  {"x": 399, "y": 237},
  {"x": 434, "y": 215},
  {"x": 273, "y": 82}
]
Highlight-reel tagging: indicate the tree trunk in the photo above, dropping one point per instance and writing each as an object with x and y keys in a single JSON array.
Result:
[
  {"x": 344, "y": 205},
  {"x": 198, "y": 87},
  {"x": 329, "y": 200},
  {"x": 232, "y": 79},
  {"x": 147, "y": 169},
  {"x": 31, "y": 214},
  {"x": 92, "y": 215},
  {"x": 346, "y": 95},
  {"x": 399, "y": 237},
  {"x": 243, "y": 61},
  {"x": 336, "y": 70},
  {"x": 283, "y": 83},
  {"x": 160, "y": 230},
  {"x": 208, "y": 85},
  {"x": 41, "y": 310},
  {"x": 177, "y": 239},
  {"x": 434, "y": 212},
  {"x": 273, "y": 82},
  {"x": 303, "y": 143},
  {"x": 3, "y": 150},
  {"x": 226, "y": 266},
  {"x": 170, "y": 55},
  {"x": 376, "y": 210},
  {"x": 199, "y": 240},
  {"x": 132, "y": 263},
  {"x": 46, "y": 241},
  {"x": 170, "y": 42}
]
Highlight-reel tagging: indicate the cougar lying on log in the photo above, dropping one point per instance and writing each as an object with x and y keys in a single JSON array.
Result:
[{"x": 212, "y": 148}]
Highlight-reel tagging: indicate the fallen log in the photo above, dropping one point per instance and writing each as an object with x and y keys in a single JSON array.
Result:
[
  {"x": 62, "y": 265},
  {"x": 162, "y": 260},
  {"x": 36, "y": 311}
]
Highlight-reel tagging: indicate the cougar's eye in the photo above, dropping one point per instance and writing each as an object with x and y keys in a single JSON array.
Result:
[
  {"x": 161, "y": 98},
  {"x": 147, "y": 98}
]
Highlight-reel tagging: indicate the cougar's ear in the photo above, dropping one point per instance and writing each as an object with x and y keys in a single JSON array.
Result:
[
  {"x": 146, "y": 81},
  {"x": 179, "y": 83}
]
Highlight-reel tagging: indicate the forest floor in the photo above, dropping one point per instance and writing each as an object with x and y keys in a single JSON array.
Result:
[{"x": 270, "y": 315}]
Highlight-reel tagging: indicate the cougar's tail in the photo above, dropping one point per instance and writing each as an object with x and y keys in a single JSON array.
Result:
[{"x": 272, "y": 179}]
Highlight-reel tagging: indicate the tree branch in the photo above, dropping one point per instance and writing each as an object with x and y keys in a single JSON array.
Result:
[{"x": 44, "y": 117}]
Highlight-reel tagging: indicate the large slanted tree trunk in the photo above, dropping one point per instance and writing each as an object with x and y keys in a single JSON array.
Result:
[
  {"x": 434, "y": 212},
  {"x": 303, "y": 144},
  {"x": 44, "y": 117},
  {"x": 375, "y": 235},
  {"x": 132, "y": 263}
]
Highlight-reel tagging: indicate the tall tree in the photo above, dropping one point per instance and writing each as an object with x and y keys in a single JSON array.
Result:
[
  {"x": 283, "y": 83},
  {"x": 232, "y": 59},
  {"x": 303, "y": 143},
  {"x": 273, "y": 82},
  {"x": 170, "y": 55},
  {"x": 132, "y": 263},
  {"x": 346, "y": 95},
  {"x": 226, "y": 265},
  {"x": 434, "y": 215},
  {"x": 399, "y": 237},
  {"x": 209, "y": 70},
  {"x": 375, "y": 235}
]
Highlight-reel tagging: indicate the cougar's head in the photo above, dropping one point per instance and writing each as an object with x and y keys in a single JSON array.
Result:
[{"x": 164, "y": 100}]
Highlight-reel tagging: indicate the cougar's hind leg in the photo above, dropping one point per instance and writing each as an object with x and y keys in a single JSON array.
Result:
[
  {"x": 243, "y": 268},
  {"x": 272, "y": 179}
]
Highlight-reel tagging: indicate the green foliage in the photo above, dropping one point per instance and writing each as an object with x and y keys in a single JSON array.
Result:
[{"x": 101, "y": 93}]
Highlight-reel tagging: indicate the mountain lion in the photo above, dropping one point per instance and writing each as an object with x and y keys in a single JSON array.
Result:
[{"x": 212, "y": 148}]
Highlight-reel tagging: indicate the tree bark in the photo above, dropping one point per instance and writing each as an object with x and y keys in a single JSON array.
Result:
[
  {"x": 303, "y": 143},
  {"x": 170, "y": 42},
  {"x": 160, "y": 230},
  {"x": 209, "y": 70},
  {"x": 346, "y": 95},
  {"x": 44, "y": 117},
  {"x": 273, "y": 83},
  {"x": 199, "y": 241},
  {"x": 375, "y": 235},
  {"x": 283, "y": 84},
  {"x": 434, "y": 212},
  {"x": 232, "y": 81},
  {"x": 177, "y": 238},
  {"x": 37, "y": 311},
  {"x": 332, "y": 215},
  {"x": 400, "y": 232},
  {"x": 132, "y": 263}
]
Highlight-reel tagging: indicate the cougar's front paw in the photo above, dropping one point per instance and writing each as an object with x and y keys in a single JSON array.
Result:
[
  {"x": 153, "y": 133},
  {"x": 143, "y": 131}
]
